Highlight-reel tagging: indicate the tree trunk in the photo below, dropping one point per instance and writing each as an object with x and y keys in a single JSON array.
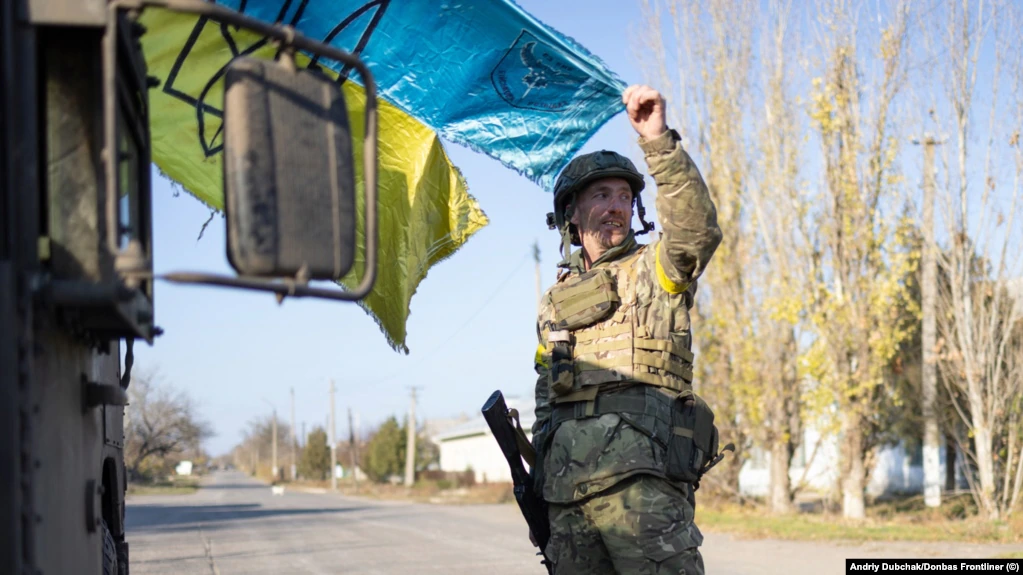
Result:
[
  {"x": 986, "y": 471},
  {"x": 781, "y": 491},
  {"x": 784, "y": 424},
  {"x": 723, "y": 480},
  {"x": 950, "y": 463},
  {"x": 854, "y": 479},
  {"x": 732, "y": 471},
  {"x": 928, "y": 363}
]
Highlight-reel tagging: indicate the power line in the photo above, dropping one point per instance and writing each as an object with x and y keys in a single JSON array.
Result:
[
  {"x": 493, "y": 295},
  {"x": 483, "y": 306}
]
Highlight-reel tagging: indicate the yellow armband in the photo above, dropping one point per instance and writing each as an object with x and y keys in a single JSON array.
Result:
[
  {"x": 538, "y": 359},
  {"x": 662, "y": 277}
]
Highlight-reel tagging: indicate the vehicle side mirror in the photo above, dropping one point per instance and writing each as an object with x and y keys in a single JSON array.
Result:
[{"x": 289, "y": 174}]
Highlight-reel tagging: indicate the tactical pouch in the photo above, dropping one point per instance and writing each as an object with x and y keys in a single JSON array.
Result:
[
  {"x": 693, "y": 440},
  {"x": 578, "y": 303},
  {"x": 588, "y": 299},
  {"x": 560, "y": 373}
]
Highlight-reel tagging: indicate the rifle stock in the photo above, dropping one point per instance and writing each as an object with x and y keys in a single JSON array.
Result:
[{"x": 533, "y": 508}]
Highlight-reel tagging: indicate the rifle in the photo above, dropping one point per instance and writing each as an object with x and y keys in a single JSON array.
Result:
[{"x": 533, "y": 508}]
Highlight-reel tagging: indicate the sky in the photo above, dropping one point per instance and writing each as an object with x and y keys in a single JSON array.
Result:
[{"x": 471, "y": 329}]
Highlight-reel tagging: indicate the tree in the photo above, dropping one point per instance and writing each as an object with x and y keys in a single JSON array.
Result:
[
  {"x": 427, "y": 453},
  {"x": 385, "y": 452},
  {"x": 255, "y": 452},
  {"x": 977, "y": 238},
  {"x": 860, "y": 259},
  {"x": 783, "y": 248},
  {"x": 315, "y": 462},
  {"x": 160, "y": 424},
  {"x": 743, "y": 118},
  {"x": 811, "y": 310}
]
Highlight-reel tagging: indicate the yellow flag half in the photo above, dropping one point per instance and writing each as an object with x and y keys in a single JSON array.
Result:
[{"x": 425, "y": 211}]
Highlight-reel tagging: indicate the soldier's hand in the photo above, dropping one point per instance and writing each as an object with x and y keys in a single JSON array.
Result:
[
  {"x": 533, "y": 539},
  {"x": 647, "y": 110}
]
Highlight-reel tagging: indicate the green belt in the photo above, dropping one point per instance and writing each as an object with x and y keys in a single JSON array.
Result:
[{"x": 646, "y": 408}]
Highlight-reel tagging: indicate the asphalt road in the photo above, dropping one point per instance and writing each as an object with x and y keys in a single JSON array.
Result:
[{"x": 234, "y": 525}]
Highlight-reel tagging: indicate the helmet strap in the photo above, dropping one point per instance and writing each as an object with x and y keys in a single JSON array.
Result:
[
  {"x": 566, "y": 245},
  {"x": 570, "y": 210},
  {"x": 566, "y": 232},
  {"x": 641, "y": 212}
]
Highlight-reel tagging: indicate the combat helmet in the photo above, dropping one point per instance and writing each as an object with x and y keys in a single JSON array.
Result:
[{"x": 579, "y": 173}]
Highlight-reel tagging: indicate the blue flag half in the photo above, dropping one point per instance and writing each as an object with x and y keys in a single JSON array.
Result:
[{"x": 482, "y": 73}]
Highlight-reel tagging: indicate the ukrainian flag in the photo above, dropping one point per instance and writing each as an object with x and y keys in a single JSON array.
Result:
[{"x": 482, "y": 73}]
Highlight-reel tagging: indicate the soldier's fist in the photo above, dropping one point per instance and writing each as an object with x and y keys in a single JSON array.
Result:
[{"x": 647, "y": 110}]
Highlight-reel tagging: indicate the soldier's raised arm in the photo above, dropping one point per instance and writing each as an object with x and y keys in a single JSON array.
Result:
[{"x": 685, "y": 210}]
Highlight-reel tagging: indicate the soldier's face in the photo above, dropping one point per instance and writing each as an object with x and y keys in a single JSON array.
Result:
[{"x": 603, "y": 214}]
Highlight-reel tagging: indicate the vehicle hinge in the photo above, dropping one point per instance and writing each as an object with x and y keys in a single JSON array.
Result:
[
  {"x": 93, "y": 491},
  {"x": 96, "y": 394}
]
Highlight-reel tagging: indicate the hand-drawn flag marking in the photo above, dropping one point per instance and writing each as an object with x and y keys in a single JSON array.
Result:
[
  {"x": 209, "y": 114},
  {"x": 534, "y": 75}
]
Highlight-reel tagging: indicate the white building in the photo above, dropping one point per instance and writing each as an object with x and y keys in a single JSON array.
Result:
[
  {"x": 184, "y": 468},
  {"x": 896, "y": 470},
  {"x": 470, "y": 445}
]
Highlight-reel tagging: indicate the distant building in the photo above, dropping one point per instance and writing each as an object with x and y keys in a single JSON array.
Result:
[
  {"x": 184, "y": 468},
  {"x": 470, "y": 445}
]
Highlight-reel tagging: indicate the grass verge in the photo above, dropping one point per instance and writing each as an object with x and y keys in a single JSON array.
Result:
[
  {"x": 830, "y": 528},
  {"x": 902, "y": 519}
]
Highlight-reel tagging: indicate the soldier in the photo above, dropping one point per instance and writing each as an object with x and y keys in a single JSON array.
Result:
[{"x": 621, "y": 439}]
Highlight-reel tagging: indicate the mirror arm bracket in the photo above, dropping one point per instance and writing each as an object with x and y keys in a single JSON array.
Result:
[{"x": 289, "y": 287}]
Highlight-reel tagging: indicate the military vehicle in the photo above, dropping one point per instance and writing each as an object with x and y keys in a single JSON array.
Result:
[{"x": 76, "y": 270}]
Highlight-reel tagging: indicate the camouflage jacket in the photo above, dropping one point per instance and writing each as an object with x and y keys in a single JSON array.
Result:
[{"x": 643, "y": 338}]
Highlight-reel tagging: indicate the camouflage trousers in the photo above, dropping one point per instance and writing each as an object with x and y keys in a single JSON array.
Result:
[{"x": 643, "y": 525}]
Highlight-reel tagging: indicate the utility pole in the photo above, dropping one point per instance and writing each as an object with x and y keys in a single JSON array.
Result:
[
  {"x": 929, "y": 377},
  {"x": 536, "y": 259},
  {"x": 274, "y": 462},
  {"x": 333, "y": 442},
  {"x": 353, "y": 449},
  {"x": 353, "y": 439},
  {"x": 305, "y": 438},
  {"x": 410, "y": 443},
  {"x": 294, "y": 462}
]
